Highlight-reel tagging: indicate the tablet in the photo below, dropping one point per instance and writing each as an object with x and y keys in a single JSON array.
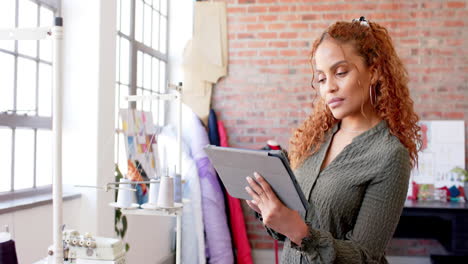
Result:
[{"x": 234, "y": 164}]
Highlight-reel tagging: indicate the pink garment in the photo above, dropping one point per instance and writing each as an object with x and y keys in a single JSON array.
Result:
[{"x": 239, "y": 233}]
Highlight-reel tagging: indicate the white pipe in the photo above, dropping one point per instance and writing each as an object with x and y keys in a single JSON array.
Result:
[
  {"x": 57, "y": 38},
  {"x": 179, "y": 130}
]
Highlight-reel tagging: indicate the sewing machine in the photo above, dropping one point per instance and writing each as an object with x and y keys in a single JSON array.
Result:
[{"x": 86, "y": 249}]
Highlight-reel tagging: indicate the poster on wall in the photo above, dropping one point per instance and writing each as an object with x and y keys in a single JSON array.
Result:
[
  {"x": 140, "y": 140},
  {"x": 443, "y": 148}
]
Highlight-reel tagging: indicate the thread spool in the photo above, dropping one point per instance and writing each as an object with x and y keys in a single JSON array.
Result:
[
  {"x": 177, "y": 186},
  {"x": 125, "y": 197},
  {"x": 153, "y": 193},
  {"x": 166, "y": 193}
]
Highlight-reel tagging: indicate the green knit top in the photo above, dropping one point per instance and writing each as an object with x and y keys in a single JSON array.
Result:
[{"x": 355, "y": 202}]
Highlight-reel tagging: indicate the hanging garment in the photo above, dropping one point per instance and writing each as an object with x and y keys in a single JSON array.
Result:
[
  {"x": 239, "y": 232},
  {"x": 213, "y": 132},
  {"x": 218, "y": 238},
  {"x": 205, "y": 56},
  {"x": 193, "y": 241}
]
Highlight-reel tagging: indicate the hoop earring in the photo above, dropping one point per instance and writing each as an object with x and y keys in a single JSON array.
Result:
[{"x": 373, "y": 98}]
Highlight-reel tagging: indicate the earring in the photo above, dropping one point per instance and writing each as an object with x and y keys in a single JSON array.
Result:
[{"x": 373, "y": 98}]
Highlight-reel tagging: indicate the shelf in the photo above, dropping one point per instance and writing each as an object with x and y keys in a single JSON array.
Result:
[{"x": 156, "y": 212}]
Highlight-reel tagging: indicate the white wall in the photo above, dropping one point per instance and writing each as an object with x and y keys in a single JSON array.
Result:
[
  {"x": 31, "y": 229},
  {"x": 89, "y": 59}
]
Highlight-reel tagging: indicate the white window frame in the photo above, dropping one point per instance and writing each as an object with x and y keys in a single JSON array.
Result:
[
  {"x": 139, "y": 47},
  {"x": 15, "y": 118}
]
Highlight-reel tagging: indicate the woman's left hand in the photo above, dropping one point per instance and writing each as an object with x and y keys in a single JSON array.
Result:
[{"x": 274, "y": 213}]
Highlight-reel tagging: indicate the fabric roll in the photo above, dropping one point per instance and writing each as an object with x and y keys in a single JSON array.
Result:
[{"x": 239, "y": 231}]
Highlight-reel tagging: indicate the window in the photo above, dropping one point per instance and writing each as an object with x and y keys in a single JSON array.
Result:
[
  {"x": 142, "y": 59},
  {"x": 25, "y": 98}
]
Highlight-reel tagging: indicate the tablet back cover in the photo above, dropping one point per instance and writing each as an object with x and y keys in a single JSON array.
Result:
[{"x": 233, "y": 165}]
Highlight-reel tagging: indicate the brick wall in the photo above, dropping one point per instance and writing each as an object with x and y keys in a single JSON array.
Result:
[{"x": 267, "y": 91}]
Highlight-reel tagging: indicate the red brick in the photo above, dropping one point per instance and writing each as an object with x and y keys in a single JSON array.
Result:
[
  {"x": 288, "y": 53},
  {"x": 268, "y": 18},
  {"x": 455, "y": 23},
  {"x": 310, "y": 17},
  {"x": 278, "y": 44},
  {"x": 288, "y": 35},
  {"x": 333, "y": 16},
  {"x": 267, "y": 35},
  {"x": 257, "y": 9},
  {"x": 257, "y": 44},
  {"x": 247, "y": 19},
  {"x": 269, "y": 53},
  {"x": 296, "y": 26},
  {"x": 246, "y": 1},
  {"x": 456, "y": 5},
  {"x": 236, "y": 10},
  {"x": 289, "y": 17},
  {"x": 273, "y": 9},
  {"x": 255, "y": 27},
  {"x": 276, "y": 26},
  {"x": 245, "y": 36}
]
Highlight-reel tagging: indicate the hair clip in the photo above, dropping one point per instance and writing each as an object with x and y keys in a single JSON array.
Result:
[{"x": 362, "y": 20}]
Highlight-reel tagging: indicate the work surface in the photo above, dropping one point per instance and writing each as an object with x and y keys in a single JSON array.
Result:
[{"x": 445, "y": 222}]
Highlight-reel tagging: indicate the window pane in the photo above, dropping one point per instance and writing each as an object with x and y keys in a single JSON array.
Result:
[
  {"x": 164, "y": 7},
  {"x": 139, "y": 104},
  {"x": 124, "y": 91},
  {"x": 147, "y": 25},
  {"x": 162, "y": 76},
  {"x": 154, "y": 111},
  {"x": 124, "y": 60},
  {"x": 155, "y": 75},
  {"x": 45, "y": 90},
  {"x": 123, "y": 104},
  {"x": 146, "y": 103},
  {"x": 5, "y": 159},
  {"x": 44, "y": 158},
  {"x": 156, "y": 4},
  {"x": 116, "y": 106},
  {"x": 155, "y": 43},
  {"x": 147, "y": 72},
  {"x": 45, "y": 45},
  {"x": 27, "y": 18},
  {"x": 163, "y": 30},
  {"x": 26, "y": 90},
  {"x": 139, "y": 20},
  {"x": 122, "y": 153},
  {"x": 7, "y": 20},
  {"x": 125, "y": 17},
  {"x": 24, "y": 158},
  {"x": 162, "y": 87},
  {"x": 139, "y": 69},
  {"x": 7, "y": 74}
]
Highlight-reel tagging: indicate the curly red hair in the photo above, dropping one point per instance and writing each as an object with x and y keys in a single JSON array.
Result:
[{"x": 394, "y": 104}]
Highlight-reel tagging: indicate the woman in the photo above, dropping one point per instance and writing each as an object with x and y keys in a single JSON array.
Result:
[{"x": 352, "y": 157}]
